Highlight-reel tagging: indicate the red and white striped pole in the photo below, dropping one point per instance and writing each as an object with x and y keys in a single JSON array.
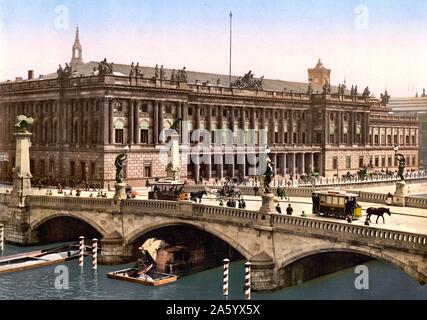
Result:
[
  {"x": 1, "y": 237},
  {"x": 248, "y": 280},
  {"x": 94, "y": 254},
  {"x": 226, "y": 269},
  {"x": 81, "y": 250}
]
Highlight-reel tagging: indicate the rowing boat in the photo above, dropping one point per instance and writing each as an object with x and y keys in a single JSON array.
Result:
[
  {"x": 37, "y": 258},
  {"x": 151, "y": 277}
]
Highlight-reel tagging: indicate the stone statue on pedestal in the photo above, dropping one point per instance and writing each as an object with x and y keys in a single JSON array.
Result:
[{"x": 119, "y": 163}]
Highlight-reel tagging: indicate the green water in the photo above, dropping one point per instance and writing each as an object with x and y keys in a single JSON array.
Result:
[{"x": 385, "y": 282}]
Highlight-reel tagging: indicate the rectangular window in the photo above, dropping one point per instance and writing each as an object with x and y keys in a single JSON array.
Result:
[
  {"x": 42, "y": 167},
  {"x": 345, "y": 138},
  {"x": 144, "y": 108},
  {"x": 119, "y": 107},
  {"x": 413, "y": 161},
  {"x": 92, "y": 169},
  {"x": 285, "y": 137},
  {"x": 395, "y": 139},
  {"x": 331, "y": 139},
  {"x": 32, "y": 166},
  {"x": 276, "y": 137},
  {"x": 144, "y": 136},
  {"x": 348, "y": 162},
  {"x": 303, "y": 137},
  {"x": 371, "y": 163},
  {"x": 389, "y": 161},
  {"x": 413, "y": 140},
  {"x": 190, "y": 111},
  {"x": 376, "y": 139},
  {"x": 224, "y": 113},
  {"x": 72, "y": 169},
  {"x": 213, "y": 112},
  {"x": 51, "y": 166},
  {"x": 360, "y": 161},
  {"x": 295, "y": 138},
  {"x": 389, "y": 139},
  {"x": 334, "y": 163},
  {"x": 358, "y": 138},
  {"x": 147, "y": 171},
  {"x": 407, "y": 139},
  {"x": 382, "y": 161},
  {"x": 377, "y": 162},
  {"x": 118, "y": 136}
]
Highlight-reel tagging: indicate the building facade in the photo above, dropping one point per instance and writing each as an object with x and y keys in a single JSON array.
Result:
[
  {"x": 84, "y": 121},
  {"x": 416, "y": 107}
]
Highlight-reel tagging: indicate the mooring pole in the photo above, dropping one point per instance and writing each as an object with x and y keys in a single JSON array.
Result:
[
  {"x": 226, "y": 270},
  {"x": 1, "y": 238},
  {"x": 81, "y": 250},
  {"x": 248, "y": 280},
  {"x": 94, "y": 254}
]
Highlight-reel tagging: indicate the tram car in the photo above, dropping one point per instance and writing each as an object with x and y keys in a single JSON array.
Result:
[
  {"x": 167, "y": 190},
  {"x": 338, "y": 204}
]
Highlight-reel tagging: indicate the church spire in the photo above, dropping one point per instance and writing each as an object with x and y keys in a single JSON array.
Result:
[{"x": 76, "y": 58}]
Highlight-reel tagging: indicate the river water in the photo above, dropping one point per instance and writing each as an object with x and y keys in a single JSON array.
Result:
[{"x": 385, "y": 282}]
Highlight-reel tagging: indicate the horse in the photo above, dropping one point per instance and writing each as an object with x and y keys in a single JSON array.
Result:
[
  {"x": 379, "y": 212},
  {"x": 197, "y": 195}
]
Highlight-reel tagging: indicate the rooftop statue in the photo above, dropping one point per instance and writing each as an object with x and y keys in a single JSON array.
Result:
[
  {"x": 385, "y": 98},
  {"x": 248, "y": 82},
  {"x": 22, "y": 124},
  {"x": 366, "y": 92},
  {"x": 105, "y": 68},
  {"x": 65, "y": 73},
  {"x": 181, "y": 75}
]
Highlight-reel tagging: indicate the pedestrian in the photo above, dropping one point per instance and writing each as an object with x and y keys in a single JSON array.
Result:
[
  {"x": 289, "y": 210},
  {"x": 278, "y": 209},
  {"x": 303, "y": 214}
]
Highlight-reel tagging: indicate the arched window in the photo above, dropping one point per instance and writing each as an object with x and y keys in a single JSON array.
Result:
[
  {"x": 119, "y": 126},
  {"x": 143, "y": 131}
]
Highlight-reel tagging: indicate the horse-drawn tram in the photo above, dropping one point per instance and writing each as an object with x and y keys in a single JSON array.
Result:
[
  {"x": 337, "y": 204},
  {"x": 167, "y": 190}
]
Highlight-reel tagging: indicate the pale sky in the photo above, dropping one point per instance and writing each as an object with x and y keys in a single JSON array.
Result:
[{"x": 380, "y": 44}]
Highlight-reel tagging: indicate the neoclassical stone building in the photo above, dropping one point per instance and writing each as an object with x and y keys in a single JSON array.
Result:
[{"x": 84, "y": 121}]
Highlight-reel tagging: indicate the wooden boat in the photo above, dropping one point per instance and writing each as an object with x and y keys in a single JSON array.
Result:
[
  {"x": 181, "y": 259},
  {"x": 37, "y": 258},
  {"x": 151, "y": 277}
]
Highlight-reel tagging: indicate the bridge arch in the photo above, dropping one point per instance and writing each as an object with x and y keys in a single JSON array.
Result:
[
  {"x": 35, "y": 224},
  {"x": 393, "y": 258},
  {"x": 130, "y": 238}
]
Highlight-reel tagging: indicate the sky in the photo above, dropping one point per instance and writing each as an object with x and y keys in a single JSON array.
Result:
[{"x": 378, "y": 43}]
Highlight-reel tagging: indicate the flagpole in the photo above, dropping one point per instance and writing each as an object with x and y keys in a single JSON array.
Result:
[{"x": 229, "y": 71}]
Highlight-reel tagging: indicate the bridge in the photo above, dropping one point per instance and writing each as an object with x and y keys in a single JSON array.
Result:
[{"x": 273, "y": 243}]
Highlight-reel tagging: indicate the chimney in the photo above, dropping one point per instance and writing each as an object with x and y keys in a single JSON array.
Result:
[{"x": 30, "y": 74}]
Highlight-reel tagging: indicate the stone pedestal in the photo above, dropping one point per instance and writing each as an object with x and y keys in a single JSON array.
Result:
[
  {"x": 120, "y": 191},
  {"x": 268, "y": 205},
  {"x": 22, "y": 175},
  {"x": 402, "y": 191},
  {"x": 173, "y": 170}
]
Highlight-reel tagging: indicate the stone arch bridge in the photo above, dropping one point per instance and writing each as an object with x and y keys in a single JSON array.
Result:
[{"x": 271, "y": 241}]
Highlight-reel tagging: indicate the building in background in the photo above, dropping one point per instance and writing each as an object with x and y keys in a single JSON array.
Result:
[
  {"x": 416, "y": 107},
  {"x": 83, "y": 121}
]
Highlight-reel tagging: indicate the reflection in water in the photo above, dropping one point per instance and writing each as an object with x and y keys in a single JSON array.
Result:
[{"x": 386, "y": 282}]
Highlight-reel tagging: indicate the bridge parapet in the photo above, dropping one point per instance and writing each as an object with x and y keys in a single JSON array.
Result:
[
  {"x": 351, "y": 233},
  {"x": 71, "y": 203}
]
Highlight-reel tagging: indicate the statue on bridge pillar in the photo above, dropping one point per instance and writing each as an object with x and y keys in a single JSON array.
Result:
[
  {"x": 268, "y": 197},
  {"x": 402, "y": 190},
  {"x": 120, "y": 185}
]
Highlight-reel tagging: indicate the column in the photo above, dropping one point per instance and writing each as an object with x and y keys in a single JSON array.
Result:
[
  {"x": 81, "y": 112},
  {"x": 110, "y": 103},
  {"x": 303, "y": 163},
  {"x": 131, "y": 121},
  {"x": 161, "y": 112},
  {"x": 326, "y": 132},
  {"x": 312, "y": 162},
  {"x": 156, "y": 122},
  {"x": 294, "y": 161},
  {"x": 137, "y": 133},
  {"x": 274, "y": 156},
  {"x": 284, "y": 163}
]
